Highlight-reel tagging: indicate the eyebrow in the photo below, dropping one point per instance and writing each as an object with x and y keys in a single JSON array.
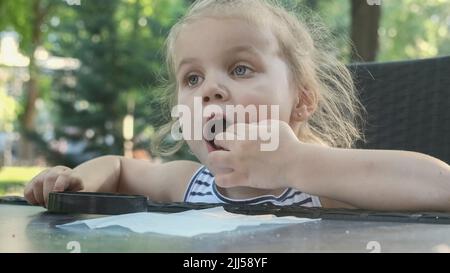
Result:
[
  {"x": 235, "y": 49},
  {"x": 243, "y": 48},
  {"x": 186, "y": 61}
]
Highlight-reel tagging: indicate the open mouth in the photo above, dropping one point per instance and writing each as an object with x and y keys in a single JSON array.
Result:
[{"x": 211, "y": 129}]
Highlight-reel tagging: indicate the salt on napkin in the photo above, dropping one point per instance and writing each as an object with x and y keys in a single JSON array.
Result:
[{"x": 188, "y": 223}]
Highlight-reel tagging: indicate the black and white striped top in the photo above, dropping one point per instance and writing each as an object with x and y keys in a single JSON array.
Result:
[{"x": 202, "y": 189}]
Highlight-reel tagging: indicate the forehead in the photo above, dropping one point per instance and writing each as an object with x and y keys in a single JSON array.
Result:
[{"x": 214, "y": 36}]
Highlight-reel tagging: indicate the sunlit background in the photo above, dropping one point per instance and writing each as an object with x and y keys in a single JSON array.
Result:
[{"x": 79, "y": 78}]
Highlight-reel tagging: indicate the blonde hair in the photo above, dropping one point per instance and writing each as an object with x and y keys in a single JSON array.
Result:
[{"x": 307, "y": 48}]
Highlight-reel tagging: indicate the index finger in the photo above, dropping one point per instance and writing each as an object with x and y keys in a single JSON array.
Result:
[{"x": 225, "y": 140}]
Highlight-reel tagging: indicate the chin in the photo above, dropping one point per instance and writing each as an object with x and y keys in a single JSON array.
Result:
[{"x": 199, "y": 150}]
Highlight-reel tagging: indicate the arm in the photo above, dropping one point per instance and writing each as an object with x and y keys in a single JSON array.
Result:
[
  {"x": 372, "y": 179},
  {"x": 161, "y": 182},
  {"x": 98, "y": 175}
]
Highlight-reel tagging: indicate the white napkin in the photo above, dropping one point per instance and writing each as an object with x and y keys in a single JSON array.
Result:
[{"x": 188, "y": 223}]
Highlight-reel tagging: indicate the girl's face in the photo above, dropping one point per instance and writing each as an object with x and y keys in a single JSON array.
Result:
[{"x": 230, "y": 62}]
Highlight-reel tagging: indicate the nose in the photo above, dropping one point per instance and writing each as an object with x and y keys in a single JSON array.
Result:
[{"x": 214, "y": 93}]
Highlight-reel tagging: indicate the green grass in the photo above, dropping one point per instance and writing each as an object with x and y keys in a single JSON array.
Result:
[{"x": 13, "y": 179}]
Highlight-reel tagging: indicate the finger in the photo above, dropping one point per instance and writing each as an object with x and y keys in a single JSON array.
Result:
[
  {"x": 40, "y": 176},
  {"x": 217, "y": 171},
  {"x": 44, "y": 174},
  {"x": 29, "y": 187},
  {"x": 244, "y": 131},
  {"x": 220, "y": 159},
  {"x": 48, "y": 187},
  {"x": 61, "y": 183},
  {"x": 29, "y": 196},
  {"x": 38, "y": 195},
  {"x": 34, "y": 196},
  {"x": 220, "y": 162},
  {"x": 67, "y": 181},
  {"x": 237, "y": 128},
  {"x": 225, "y": 140},
  {"x": 228, "y": 180},
  {"x": 269, "y": 125},
  {"x": 50, "y": 180},
  {"x": 75, "y": 183}
]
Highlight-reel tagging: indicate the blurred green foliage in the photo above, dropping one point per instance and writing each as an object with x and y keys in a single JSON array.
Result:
[
  {"x": 413, "y": 29},
  {"x": 13, "y": 179},
  {"x": 8, "y": 112}
]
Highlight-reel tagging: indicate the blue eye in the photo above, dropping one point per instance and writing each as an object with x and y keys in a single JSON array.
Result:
[
  {"x": 240, "y": 70},
  {"x": 192, "y": 80}
]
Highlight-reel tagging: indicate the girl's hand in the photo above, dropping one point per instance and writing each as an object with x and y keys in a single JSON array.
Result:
[
  {"x": 250, "y": 163},
  {"x": 55, "y": 179}
]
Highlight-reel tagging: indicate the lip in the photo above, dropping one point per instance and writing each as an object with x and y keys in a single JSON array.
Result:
[
  {"x": 209, "y": 130},
  {"x": 211, "y": 148}
]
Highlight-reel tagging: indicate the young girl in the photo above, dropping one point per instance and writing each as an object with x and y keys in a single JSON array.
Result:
[{"x": 254, "y": 52}]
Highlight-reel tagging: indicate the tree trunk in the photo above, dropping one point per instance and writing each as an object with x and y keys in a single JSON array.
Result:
[
  {"x": 39, "y": 12},
  {"x": 364, "y": 30}
]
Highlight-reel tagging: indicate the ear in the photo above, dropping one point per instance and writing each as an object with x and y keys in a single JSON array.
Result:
[{"x": 306, "y": 104}]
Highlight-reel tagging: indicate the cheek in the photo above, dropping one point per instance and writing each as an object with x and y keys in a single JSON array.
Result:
[
  {"x": 265, "y": 94},
  {"x": 183, "y": 112},
  {"x": 197, "y": 147},
  {"x": 182, "y": 98}
]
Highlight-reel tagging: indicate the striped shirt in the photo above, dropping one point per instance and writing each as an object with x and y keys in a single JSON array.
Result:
[{"x": 202, "y": 189}]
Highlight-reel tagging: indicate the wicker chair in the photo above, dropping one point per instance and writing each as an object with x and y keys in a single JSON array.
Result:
[{"x": 408, "y": 105}]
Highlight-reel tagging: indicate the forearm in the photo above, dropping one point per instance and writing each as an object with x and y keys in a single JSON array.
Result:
[
  {"x": 101, "y": 174},
  {"x": 373, "y": 179}
]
